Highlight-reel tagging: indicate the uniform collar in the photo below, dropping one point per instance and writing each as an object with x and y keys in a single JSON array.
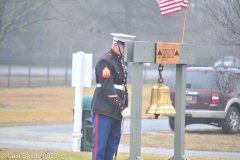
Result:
[{"x": 115, "y": 54}]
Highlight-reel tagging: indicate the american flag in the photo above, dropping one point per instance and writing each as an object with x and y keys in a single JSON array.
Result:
[
  {"x": 171, "y": 6},
  {"x": 185, "y": 3}
]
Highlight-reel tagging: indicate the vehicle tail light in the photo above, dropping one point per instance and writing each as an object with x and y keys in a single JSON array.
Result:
[{"x": 215, "y": 98}]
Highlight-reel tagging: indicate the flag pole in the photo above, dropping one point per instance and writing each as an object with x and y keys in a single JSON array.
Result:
[{"x": 185, "y": 19}]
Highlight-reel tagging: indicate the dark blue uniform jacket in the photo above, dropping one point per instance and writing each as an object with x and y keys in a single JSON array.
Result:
[{"x": 108, "y": 100}]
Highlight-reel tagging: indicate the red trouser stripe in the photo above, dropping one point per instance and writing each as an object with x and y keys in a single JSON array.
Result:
[{"x": 96, "y": 137}]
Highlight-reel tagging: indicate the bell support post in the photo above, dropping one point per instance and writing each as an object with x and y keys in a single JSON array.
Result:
[{"x": 139, "y": 52}]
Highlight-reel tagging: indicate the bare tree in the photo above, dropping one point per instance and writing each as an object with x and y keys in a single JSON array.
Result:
[
  {"x": 16, "y": 15},
  {"x": 91, "y": 25},
  {"x": 223, "y": 18}
]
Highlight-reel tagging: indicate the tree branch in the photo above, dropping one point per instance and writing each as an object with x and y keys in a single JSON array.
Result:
[{"x": 32, "y": 22}]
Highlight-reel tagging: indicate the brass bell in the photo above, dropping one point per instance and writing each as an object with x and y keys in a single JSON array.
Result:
[
  {"x": 160, "y": 98},
  {"x": 164, "y": 101},
  {"x": 154, "y": 101}
]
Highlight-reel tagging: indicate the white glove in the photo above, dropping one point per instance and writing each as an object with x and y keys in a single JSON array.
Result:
[{"x": 126, "y": 113}]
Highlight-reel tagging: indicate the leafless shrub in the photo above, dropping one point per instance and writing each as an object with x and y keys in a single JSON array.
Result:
[{"x": 225, "y": 81}]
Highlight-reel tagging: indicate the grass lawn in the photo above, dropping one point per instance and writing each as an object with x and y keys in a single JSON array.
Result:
[
  {"x": 12, "y": 154},
  {"x": 52, "y": 105}
]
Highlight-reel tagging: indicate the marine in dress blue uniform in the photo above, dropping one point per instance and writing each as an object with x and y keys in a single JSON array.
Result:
[{"x": 109, "y": 104}]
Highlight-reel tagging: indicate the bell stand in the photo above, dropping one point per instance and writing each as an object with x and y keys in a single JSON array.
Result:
[{"x": 145, "y": 52}]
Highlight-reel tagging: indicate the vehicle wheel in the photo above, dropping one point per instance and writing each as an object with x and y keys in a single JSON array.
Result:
[
  {"x": 230, "y": 124},
  {"x": 171, "y": 123}
]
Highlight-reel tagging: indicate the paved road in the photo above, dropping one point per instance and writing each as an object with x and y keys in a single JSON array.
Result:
[
  {"x": 59, "y": 137},
  {"x": 148, "y": 125}
]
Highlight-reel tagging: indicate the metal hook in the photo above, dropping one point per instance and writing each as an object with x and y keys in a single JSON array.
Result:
[{"x": 160, "y": 69}]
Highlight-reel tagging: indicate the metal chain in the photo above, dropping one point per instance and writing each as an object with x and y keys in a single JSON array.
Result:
[{"x": 160, "y": 69}]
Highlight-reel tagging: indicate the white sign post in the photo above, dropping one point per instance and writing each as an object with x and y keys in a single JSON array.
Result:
[{"x": 81, "y": 77}]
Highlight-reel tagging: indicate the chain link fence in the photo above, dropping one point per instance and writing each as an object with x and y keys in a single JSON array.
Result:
[
  {"x": 43, "y": 71},
  {"x": 35, "y": 71}
]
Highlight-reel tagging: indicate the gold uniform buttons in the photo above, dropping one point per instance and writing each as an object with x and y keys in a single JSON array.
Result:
[{"x": 118, "y": 56}]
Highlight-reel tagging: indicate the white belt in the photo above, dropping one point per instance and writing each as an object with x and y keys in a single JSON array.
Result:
[{"x": 117, "y": 86}]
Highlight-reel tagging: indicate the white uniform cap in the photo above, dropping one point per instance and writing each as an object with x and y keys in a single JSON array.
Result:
[{"x": 122, "y": 37}]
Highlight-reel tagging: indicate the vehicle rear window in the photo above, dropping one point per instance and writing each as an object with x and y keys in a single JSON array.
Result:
[{"x": 194, "y": 79}]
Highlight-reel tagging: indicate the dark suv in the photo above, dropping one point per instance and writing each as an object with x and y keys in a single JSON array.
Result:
[{"x": 212, "y": 97}]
